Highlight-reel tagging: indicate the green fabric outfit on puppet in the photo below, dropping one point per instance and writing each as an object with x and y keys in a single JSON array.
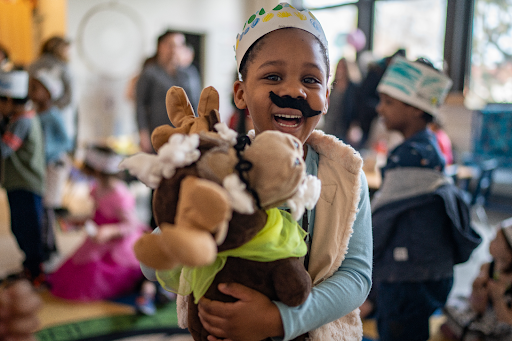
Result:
[{"x": 280, "y": 238}]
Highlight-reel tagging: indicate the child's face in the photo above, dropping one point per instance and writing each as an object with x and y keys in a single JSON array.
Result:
[
  {"x": 501, "y": 252},
  {"x": 6, "y": 107},
  {"x": 289, "y": 62},
  {"x": 37, "y": 91},
  {"x": 395, "y": 114}
]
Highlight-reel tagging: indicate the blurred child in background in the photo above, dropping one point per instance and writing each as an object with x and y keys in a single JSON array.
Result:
[
  {"x": 421, "y": 223},
  {"x": 55, "y": 56},
  {"x": 488, "y": 314},
  {"x": 104, "y": 266},
  {"x": 22, "y": 151},
  {"x": 44, "y": 87}
]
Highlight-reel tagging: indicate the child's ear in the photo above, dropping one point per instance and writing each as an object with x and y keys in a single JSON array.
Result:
[{"x": 239, "y": 92}]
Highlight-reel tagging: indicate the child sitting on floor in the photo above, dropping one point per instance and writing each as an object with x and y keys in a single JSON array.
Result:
[
  {"x": 104, "y": 266},
  {"x": 488, "y": 313}
]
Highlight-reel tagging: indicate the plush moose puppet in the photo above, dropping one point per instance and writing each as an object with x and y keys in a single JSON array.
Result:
[{"x": 215, "y": 202}]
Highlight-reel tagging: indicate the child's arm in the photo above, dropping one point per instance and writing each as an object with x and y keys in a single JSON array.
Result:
[
  {"x": 128, "y": 221},
  {"x": 333, "y": 298},
  {"x": 62, "y": 141},
  {"x": 479, "y": 298},
  {"x": 14, "y": 136}
]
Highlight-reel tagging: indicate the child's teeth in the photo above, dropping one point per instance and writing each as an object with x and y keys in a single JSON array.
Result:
[{"x": 288, "y": 125}]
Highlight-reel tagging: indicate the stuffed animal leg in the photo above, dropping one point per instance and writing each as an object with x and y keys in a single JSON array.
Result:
[{"x": 202, "y": 217}]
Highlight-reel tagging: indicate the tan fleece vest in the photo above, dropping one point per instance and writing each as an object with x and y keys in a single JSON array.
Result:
[{"x": 339, "y": 170}]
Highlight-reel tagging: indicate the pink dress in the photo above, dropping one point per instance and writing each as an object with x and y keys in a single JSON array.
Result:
[{"x": 103, "y": 271}]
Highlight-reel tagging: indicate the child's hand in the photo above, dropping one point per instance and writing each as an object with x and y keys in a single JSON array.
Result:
[
  {"x": 106, "y": 233},
  {"x": 479, "y": 296},
  {"x": 496, "y": 293},
  {"x": 19, "y": 305},
  {"x": 253, "y": 317}
]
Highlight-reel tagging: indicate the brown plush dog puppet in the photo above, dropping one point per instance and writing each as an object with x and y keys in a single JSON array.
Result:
[{"x": 215, "y": 204}]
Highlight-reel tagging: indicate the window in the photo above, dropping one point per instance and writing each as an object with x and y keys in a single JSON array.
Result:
[
  {"x": 325, "y": 3},
  {"x": 418, "y": 26},
  {"x": 491, "y": 55},
  {"x": 337, "y": 23}
]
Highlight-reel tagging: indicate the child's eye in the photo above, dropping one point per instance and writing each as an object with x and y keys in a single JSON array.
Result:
[
  {"x": 273, "y": 78},
  {"x": 311, "y": 80}
]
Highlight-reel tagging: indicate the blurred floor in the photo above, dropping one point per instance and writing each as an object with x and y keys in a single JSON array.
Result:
[{"x": 57, "y": 311}]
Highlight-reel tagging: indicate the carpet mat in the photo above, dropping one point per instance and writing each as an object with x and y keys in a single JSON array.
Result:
[{"x": 163, "y": 323}]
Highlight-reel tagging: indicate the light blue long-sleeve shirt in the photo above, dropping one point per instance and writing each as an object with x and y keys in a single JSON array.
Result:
[{"x": 347, "y": 289}]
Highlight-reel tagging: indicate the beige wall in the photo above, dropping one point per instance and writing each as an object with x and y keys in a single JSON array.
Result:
[{"x": 456, "y": 119}]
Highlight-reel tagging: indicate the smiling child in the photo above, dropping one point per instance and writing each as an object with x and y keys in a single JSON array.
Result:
[{"x": 284, "y": 69}]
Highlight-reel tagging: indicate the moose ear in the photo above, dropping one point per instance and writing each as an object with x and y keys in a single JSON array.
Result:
[
  {"x": 208, "y": 101},
  {"x": 178, "y": 106}
]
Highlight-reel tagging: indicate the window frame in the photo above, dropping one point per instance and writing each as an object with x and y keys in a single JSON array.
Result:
[{"x": 457, "y": 42}]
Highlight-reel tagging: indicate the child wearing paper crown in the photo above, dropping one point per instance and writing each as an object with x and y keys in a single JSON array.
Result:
[
  {"x": 104, "y": 266},
  {"x": 23, "y": 169},
  {"x": 421, "y": 223},
  {"x": 488, "y": 312},
  {"x": 283, "y": 63},
  {"x": 44, "y": 87}
]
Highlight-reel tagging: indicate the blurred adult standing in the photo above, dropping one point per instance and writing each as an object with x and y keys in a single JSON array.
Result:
[
  {"x": 158, "y": 75},
  {"x": 55, "y": 56}
]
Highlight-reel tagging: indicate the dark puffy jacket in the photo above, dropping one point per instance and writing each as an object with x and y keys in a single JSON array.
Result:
[{"x": 422, "y": 237}]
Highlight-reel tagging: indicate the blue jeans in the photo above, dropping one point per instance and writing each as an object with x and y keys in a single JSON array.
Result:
[
  {"x": 404, "y": 308},
  {"x": 26, "y": 223}
]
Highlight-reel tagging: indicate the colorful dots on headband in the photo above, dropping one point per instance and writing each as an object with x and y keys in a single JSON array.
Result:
[
  {"x": 281, "y": 16},
  {"x": 268, "y": 17}
]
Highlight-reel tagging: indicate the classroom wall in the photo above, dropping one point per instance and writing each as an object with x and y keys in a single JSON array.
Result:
[{"x": 102, "y": 96}]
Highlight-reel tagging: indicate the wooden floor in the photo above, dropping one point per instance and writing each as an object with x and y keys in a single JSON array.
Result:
[{"x": 56, "y": 311}]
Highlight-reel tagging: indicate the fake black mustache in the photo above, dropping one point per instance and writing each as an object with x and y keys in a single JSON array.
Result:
[{"x": 294, "y": 103}]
